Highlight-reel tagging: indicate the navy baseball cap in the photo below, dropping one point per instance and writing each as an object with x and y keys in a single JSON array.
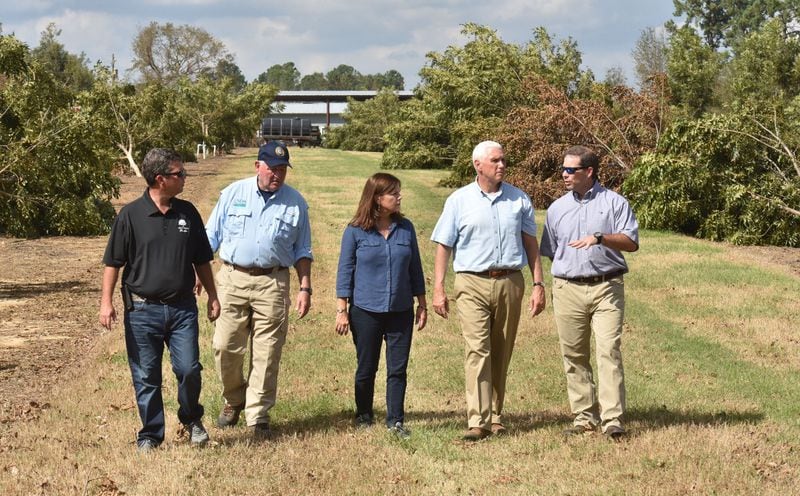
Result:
[{"x": 274, "y": 153}]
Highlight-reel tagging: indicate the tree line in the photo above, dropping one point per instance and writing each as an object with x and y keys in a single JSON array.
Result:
[
  {"x": 67, "y": 127},
  {"x": 706, "y": 145},
  {"x": 287, "y": 76}
]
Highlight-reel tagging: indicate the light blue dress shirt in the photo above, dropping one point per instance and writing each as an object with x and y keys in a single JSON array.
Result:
[
  {"x": 485, "y": 231},
  {"x": 380, "y": 274},
  {"x": 253, "y": 230},
  {"x": 570, "y": 218}
]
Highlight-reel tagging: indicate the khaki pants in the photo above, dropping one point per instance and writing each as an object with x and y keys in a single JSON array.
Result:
[
  {"x": 255, "y": 310},
  {"x": 580, "y": 309},
  {"x": 489, "y": 310}
]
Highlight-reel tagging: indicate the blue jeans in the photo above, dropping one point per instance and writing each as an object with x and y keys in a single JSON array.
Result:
[
  {"x": 147, "y": 328},
  {"x": 369, "y": 329}
]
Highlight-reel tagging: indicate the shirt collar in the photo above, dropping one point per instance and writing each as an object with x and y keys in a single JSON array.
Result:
[
  {"x": 478, "y": 190},
  {"x": 153, "y": 208},
  {"x": 596, "y": 189}
]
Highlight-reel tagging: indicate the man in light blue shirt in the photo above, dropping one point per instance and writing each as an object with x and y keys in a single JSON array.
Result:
[
  {"x": 585, "y": 233},
  {"x": 260, "y": 227},
  {"x": 489, "y": 228}
]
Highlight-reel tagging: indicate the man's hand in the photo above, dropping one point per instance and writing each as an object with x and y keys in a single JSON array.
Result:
[
  {"x": 303, "y": 303},
  {"x": 198, "y": 286},
  {"x": 421, "y": 317},
  {"x": 440, "y": 304},
  {"x": 108, "y": 316},
  {"x": 537, "y": 302},
  {"x": 583, "y": 242},
  {"x": 213, "y": 308}
]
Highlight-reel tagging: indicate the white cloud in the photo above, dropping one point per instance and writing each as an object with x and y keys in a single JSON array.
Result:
[{"x": 370, "y": 35}]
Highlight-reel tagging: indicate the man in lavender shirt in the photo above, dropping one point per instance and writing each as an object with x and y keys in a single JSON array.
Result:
[{"x": 585, "y": 233}]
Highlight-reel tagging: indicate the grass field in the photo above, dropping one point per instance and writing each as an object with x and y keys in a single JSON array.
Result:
[{"x": 712, "y": 365}]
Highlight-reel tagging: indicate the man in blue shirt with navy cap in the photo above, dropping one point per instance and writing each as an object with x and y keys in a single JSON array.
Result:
[{"x": 260, "y": 227}]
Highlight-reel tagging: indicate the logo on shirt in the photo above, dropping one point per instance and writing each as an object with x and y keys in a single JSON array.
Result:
[
  {"x": 240, "y": 203},
  {"x": 183, "y": 226}
]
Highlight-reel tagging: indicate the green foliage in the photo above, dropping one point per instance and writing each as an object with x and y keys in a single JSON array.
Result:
[
  {"x": 692, "y": 69},
  {"x": 167, "y": 53},
  {"x": 342, "y": 77},
  {"x": 282, "y": 76},
  {"x": 55, "y": 166},
  {"x": 765, "y": 68},
  {"x": 722, "y": 177},
  {"x": 725, "y": 22},
  {"x": 366, "y": 123},
  {"x": 649, "y": 56},
  {"x": 467, "y": 91},
  {"x": 70, "y": 70}
]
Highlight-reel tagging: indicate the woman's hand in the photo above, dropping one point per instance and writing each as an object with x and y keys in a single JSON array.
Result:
[{"x": 342, "y": 323}]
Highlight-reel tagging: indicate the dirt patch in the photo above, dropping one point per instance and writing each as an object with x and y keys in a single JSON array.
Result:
[{"x": 49, "y": 295}]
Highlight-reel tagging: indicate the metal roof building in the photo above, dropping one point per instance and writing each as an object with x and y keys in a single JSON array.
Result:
[{"x": 324, "y": 108}]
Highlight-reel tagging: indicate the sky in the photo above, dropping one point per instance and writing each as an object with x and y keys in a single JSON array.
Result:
[{"x": 317, "y": 35}]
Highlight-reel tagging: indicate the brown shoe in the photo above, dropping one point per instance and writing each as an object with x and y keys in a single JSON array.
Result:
[
  {"x": 499, "y": 430},
  {"x": 260, "y": 432},
  {"x": 615, "y": 433},
  {"x": 578, "y": 430},
  {"x": 476, "y": 434},
  {"x": 229, "y": 416}
]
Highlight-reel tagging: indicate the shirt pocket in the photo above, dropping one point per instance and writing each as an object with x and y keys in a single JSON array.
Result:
[
  {"x": 286, "y": 225},
  {"x": 236, "y": 223}
]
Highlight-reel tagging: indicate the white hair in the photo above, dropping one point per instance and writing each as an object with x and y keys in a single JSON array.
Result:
[{"x": 483, "y": 147}]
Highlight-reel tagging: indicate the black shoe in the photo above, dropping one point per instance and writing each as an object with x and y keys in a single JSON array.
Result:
[
  {"x": 364, "y": 420},
  {"x": 260, "y": 432},
  {"x": 615, "y": 433},
  {"x": 229, "y": 416}
]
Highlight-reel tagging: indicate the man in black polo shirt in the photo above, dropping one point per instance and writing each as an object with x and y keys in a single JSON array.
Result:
[{"x": 160, "y": 241}]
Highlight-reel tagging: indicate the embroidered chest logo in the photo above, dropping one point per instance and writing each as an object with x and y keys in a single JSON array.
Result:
[
  {"x": 183, "y": 226},
  {"x": 238, "y": 203}
]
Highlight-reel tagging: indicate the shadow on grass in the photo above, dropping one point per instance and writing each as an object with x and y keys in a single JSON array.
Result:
[
  {"x": 654, "y": 418},
  {"x": 13, "y": 290},
  {"x": 644, "y": 419}
]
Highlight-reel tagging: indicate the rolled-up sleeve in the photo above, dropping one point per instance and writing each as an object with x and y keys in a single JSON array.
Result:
[
  {"x": 302, "y": 246},
  {"x": 347, "y": 265},
  {"x": 415, "y": 268},
  {"x": 446, "y": 230}
]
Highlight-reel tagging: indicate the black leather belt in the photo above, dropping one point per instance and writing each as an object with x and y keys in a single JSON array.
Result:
[
  {"x": 494, "y": 274},
  {"x": 254, "y": 271},
  {"x": 593, "y": 279},
  {"x": 155, "y": 301}
]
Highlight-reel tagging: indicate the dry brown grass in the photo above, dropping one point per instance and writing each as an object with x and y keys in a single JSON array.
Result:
[{"x": 692, "y": 432}]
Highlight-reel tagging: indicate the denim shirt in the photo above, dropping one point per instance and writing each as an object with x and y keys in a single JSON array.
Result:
[{"x": 380, "y": 274}]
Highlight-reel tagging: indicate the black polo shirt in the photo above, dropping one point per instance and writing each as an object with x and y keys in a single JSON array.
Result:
[{"x": 158, "y": 250}]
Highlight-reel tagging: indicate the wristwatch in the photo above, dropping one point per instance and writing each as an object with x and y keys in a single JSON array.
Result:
[
  {"x": 538, "y": 283},
  {"x": 307, "y": 290},
  {"x": 599, "y": 237}
]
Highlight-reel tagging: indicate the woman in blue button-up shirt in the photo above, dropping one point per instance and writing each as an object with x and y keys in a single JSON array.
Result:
[{"x": 380, "y": 273}]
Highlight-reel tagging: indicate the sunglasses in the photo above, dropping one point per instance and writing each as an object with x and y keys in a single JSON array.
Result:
[
  {"x": 181, "y": 173},
  {"x": 571, "y": 170}
]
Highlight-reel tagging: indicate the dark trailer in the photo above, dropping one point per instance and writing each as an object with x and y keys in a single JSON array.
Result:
[{"x": 293, "y": 130}]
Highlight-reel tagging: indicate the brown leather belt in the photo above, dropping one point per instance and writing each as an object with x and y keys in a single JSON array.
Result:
[
  {"x": 254, "y": 271},
  {"x": 593, "y": 279},
  {"x": 494, "y": 274}
]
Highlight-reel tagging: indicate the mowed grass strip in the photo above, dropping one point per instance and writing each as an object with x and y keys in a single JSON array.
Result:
[{"x": 710, "y": 351}]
